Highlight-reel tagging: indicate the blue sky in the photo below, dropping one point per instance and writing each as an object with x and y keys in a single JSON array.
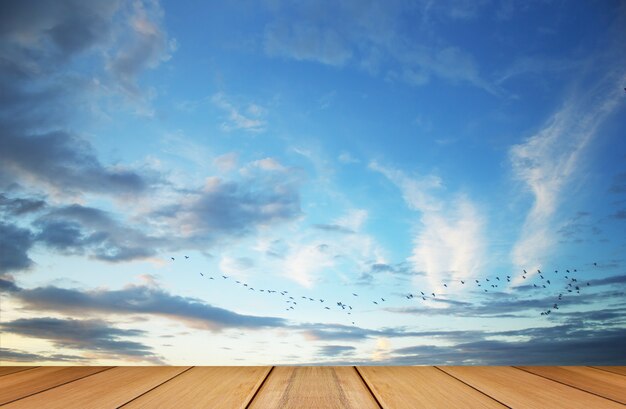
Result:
[{"x": 318, "y": 150}]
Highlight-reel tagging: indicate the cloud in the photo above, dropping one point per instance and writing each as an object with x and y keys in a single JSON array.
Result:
[
  {"x": 15, "y": 355},
  {"x": 303, "y": 262},
  {"x": 229, "y": 208},
  {"x": 619, "y": 183},
  {"x": 92, "y": 336},
  {"x": 145, "y": 45},
  {"x": 63, "y": 162},
  {"x": 346, "y": 158},
  {"x": 335, "y": 350},
  {"x": 69, "y": 26},
  {"x": 77, "y": 229},
  {"x": 249, "y": 119},
  {"x": 372, "y": 37},
  {"x": 15, "y": 242},
  {"x": 20, "y": 206},
  {"x": 141, "y": 300},
  {"x": 306, "y": 42},
  {"x": 226, "y": 162},
  {"x": 547, "y": 162},
  {"x": 450, "y": 238},
  {"x": 568, "y": 347},
  {"x": 41, "y": 94}
]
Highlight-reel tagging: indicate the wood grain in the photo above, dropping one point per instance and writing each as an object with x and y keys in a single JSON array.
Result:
[
  {"x": 518, "y": 389},
  {"x": 615, "y": 369},
  {"x": 24, "y": 383},
  {"x": 609, "y": 385},
  {"x": 6, "y": 370},
  {"x": 206, "y": 387},
  {"x": 421, "y": 387},
  {"x": 108, "y": 389},
  {"x": 313, "y": 387}
]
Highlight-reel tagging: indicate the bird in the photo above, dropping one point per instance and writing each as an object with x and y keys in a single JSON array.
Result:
[
  {"x": 202, "y": 274},
  {"x": 433, "y": 294},
  {"x": 445, "y": 285},
  {"x": 375, "y": 302},
  {"x": 186, "y": 256},
  {"x": 225, "y": 277},
  {"x": 172, "y": 258},
  {"x": 356, "y": 295},
  {"x": 327, "y": 308},
  {"x": 462, "y": 282}
]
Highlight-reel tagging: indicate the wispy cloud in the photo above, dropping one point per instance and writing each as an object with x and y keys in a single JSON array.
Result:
[
  {"x": 369, "y": 37},
  {"x": 547, "y": 162},
  {"x": 449, "y": 238},
  {"x": 249, "y": 118}
]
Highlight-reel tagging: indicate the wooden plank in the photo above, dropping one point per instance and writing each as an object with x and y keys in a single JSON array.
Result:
[
  {"x": 615, "y": 369},
  {"x": 606, "y": 384},
  {"x": 206, "y": 387},
  {"x": 21, "y": 384},
  {"x": 421, "y": 387},
  {"x": 518, "y": 389},
  {"x": 6, "y": 370},
  {"x": 107, "y": 389},
  {"x": 313, "y": 387}
]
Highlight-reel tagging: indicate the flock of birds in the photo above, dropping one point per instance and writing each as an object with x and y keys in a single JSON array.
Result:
[{"x": 570, "y": 285}]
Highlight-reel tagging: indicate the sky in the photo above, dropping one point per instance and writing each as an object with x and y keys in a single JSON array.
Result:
[{"x": 330, "y": 182}]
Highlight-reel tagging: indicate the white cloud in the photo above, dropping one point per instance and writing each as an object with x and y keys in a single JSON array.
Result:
[
  {"x": 450, "y": 243},
  {"x": 226, "y": 162},
  {"x": 353, "y": 220},
  {"x": 416, "y": 191},
  {"x": 548, "y": 161},
  {"x": 304, "y": 263},
  {"x": 449, "y": 239},
  {"x": 252, "y": 121},
  {"x": 345, "y": 157}
]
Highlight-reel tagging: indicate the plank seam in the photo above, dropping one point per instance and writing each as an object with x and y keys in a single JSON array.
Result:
[
  {"x": 476, "y": 389},
  {"x": 605, "y": 370},
  {"x": 368, "y": 387},
  {"x": 259, "y": 388},
  {"x": 566, "y": 384},
  {"x": 23, "y": 370},
  {"x": 55, "y": 386},
  {"x": 153, "y": 388}
]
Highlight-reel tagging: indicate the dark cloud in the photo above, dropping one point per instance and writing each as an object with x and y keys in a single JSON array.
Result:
[
  {"x": 139, "y": 299},
  {"x": 8, "y": 285},
  {"x": 14, "y": 355},
  {"x": 14, "y": 245},
  {"x": 619, "y": 184},
  {"x": 235, "y": 209},
  {"x": 621, "y": 279},
  {"x": 70, "y": 26},
  {"x": 20, "y": 206},
  {"x": 335, "y": 228},
  {"x": 63, "y": 161},
  {"x": 620, "y": 214},
  {"x": 92, "y": 336},
  {"x": 335, "y": 350},
  {"x": 77, "y": 229},
  {"x": 401, "y": 271}
]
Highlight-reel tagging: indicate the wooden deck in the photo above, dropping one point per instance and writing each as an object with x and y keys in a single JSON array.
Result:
[{"x": 313, "y": 387}]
